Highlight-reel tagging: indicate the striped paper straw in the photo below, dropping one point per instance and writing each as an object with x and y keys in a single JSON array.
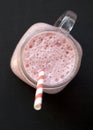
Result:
[{"x": 39, "y": 91}]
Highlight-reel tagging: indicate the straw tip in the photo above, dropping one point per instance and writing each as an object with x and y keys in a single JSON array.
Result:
[{"x": 37, "y": 107}]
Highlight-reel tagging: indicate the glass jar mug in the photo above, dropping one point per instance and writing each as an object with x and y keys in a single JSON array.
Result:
[{"x": 51, "y": 48}]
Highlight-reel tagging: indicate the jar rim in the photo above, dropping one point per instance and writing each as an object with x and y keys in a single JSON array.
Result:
[{"x": 68, "y": 79}]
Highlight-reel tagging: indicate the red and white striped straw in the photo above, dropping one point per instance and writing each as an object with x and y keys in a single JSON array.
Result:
[{"x": 39, "y": 91}]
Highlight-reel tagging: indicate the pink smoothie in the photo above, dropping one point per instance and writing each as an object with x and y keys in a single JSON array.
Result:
[{"x": 52, "y": 51}]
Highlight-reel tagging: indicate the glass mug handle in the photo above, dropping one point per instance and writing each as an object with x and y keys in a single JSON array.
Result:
[{"x": 66, "y": 21}]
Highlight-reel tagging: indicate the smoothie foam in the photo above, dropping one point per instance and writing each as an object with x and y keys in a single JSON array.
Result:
[{"x": 52, "y": 51}]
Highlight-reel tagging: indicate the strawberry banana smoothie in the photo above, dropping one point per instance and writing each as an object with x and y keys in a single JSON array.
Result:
[{"x": 53, "y": 52}]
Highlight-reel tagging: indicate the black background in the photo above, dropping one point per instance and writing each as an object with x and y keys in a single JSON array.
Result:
[{"x": 71, "y": 109}]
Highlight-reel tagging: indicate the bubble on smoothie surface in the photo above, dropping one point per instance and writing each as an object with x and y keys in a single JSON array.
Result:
[{"x": 52, "y": 51}]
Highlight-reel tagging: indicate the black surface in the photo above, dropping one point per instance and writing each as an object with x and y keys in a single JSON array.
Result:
[{"x": 71, "y": 109}]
